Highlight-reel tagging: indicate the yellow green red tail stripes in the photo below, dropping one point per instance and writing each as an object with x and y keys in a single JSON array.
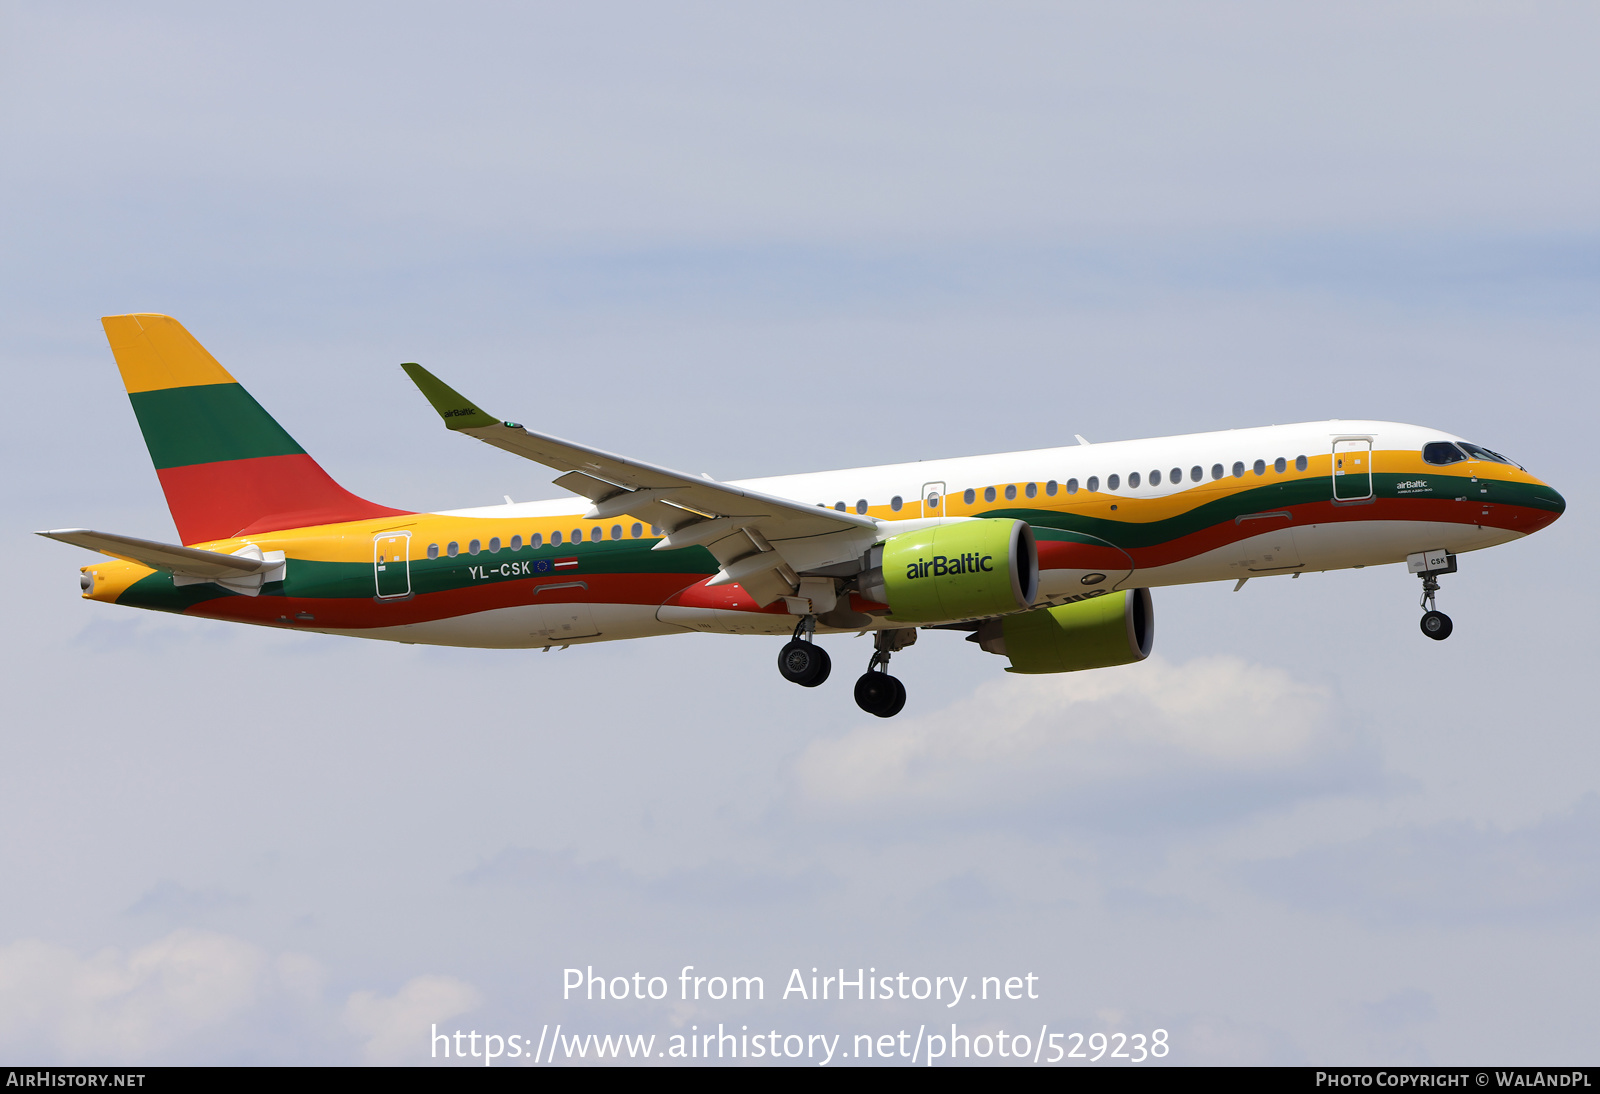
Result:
[{"x": 226, "y": 466}]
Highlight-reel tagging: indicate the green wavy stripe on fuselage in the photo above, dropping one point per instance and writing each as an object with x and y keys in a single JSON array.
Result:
[
  {"x": 1282, "y": 495},
  {"x": 309, "y": 579},
  {"x": 1134, "y": 534}
]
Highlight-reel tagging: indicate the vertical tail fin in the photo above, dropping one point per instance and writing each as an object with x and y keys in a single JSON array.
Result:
[{"x": 226, "y": 466}]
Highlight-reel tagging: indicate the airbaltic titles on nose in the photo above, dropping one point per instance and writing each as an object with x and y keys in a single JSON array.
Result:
[{"x": 266, "y": 536}]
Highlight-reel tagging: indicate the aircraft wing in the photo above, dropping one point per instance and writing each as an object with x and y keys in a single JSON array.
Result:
[
  {"x": 761, "y": 542},
  {"x": 244, "y": 571}
]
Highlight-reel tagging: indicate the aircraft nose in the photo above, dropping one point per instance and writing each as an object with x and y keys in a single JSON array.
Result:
[{"x": 1548, "y": 504}]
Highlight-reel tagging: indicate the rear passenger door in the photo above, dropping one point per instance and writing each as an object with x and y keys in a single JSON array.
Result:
[{"x": 391, "y": 564}]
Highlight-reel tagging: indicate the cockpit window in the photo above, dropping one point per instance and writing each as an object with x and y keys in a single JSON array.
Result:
[
  {"x": 1478, "y": 452},
  {"x": 1441, "y": 452}
]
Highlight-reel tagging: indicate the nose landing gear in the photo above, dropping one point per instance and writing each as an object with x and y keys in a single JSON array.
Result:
[
  {"x": 1428, "y": 565},
  {"x": 877, "y": 692},
  {"x": 802, "y": 661}
]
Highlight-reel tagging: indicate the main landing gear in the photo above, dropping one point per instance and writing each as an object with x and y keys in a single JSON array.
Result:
[
  {"x": 1435, "y": 624},
  {"x": 877, "y": 692},
  {"x": 802, "y": 661}
]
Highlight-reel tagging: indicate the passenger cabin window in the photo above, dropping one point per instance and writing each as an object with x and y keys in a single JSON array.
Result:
[
  {"x": 1093, "y": 483},
  {"x": 1011, "y": 493},
  {"x": 474, "y": 547},
  {"x": 839, "y": 505},
  {"x": 616, "y": 531},
  {"x": 1280, "y": 465},
  {"x": 1238, "y": 469},
  {"x": 1050, "y": 488},
  {"x": 1133, "y": 481},
  {"x": 861, "y": 506},
  {"x": 1113, "y": 481},
  {"x": 969, "y": 497},
  {"x": 494, "y": 545},
  {"x": 1196, "y": 473},
  {"x": 1216, "y": 471},
  {"x": 454, "y": 549},
  {"x": 895, "y": 503},
  {"x": 638, "y": 530},
  {"x": 1155, "y": 478},
  {"x": 1032, "y": 490},
  {"x": 1260, "y": 467},
  {"x": 433, "y": 550},
  {"x": 1175, "y": 477},
  {"x": 988, "y": 493},
  {"x": 555, "y": 539},
  {"x": 1072, "y": 486},
  {"x": 1299, "y": 463},
  {"x": 516, "y": 543},
  {"x": 537, "y": 541}
]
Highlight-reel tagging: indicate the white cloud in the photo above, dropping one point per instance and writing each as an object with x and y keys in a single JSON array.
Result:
[
  {"x": 395, "y": 1027},
  {"x": 114, "y": 1007},
  {"x": 201, "y": 997},
  {"x": 1076, "y": 740}
]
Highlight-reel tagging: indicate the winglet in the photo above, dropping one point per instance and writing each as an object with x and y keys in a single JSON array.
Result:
[{"x": 452, "y": 406}]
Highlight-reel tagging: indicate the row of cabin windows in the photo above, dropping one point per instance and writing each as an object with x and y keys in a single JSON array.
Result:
[
  {"x": 536, "y": 541},
  {"x": 1113, "y": 482}
]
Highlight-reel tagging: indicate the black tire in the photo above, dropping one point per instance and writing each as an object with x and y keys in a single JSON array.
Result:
[
  {"x": 1437, "y": 626},
  {"x": 880, "y": 694},
  {"x": 804, "y": 663},
  {"x": 899, "y": 703}
]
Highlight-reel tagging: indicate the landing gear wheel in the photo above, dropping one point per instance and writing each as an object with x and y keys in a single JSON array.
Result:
[
  {"x": 804, "y": 663},
  {"x": 1437, "y": 626},
  {"x": 880, "y": 694}
]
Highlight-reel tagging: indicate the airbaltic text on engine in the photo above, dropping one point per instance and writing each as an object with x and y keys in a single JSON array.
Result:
[{"x": 942, "y": 565}]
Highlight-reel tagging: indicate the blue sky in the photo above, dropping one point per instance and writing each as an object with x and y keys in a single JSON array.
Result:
[{"x": 753, "y": 241}]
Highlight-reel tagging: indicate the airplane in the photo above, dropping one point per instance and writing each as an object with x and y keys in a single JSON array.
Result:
[{"x": 1046, "y": 558}]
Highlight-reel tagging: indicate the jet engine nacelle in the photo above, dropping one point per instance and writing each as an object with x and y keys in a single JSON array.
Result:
[
  {"x": 963, "y": 570},
  {"x": 1115, "y": 628}
]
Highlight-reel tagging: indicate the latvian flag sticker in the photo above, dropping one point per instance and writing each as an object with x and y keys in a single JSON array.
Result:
[{"x": 565, "y": 564}]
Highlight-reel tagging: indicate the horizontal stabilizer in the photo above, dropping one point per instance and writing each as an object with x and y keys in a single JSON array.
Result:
[{"x": 244, "y": 571}]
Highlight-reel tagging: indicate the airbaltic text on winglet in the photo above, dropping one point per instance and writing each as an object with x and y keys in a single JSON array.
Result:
[{"x": 865, "y": 984}]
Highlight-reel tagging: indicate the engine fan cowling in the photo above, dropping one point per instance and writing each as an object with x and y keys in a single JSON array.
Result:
[
  {"x": 1114, "y": 629},
  {"x": 964, "y": 570}
]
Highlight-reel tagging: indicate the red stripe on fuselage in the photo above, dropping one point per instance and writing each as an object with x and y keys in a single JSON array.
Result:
[
  {"x": 1517, "y": 518},
  {"x": 247, "y": 497},
  {"x": 645, "y": 590}
]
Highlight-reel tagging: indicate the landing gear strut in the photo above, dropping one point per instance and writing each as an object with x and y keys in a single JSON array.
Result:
[
  {"x": 1428, "y": 566},
  {"x": 877, "y": 692},
  {"x": 802, "y": 661}
]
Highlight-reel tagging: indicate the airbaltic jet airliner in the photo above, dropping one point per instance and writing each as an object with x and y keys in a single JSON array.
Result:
[{"x": 1045, "y": 558}]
